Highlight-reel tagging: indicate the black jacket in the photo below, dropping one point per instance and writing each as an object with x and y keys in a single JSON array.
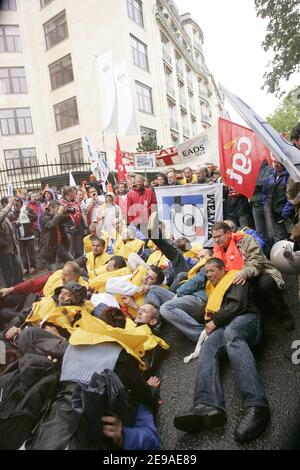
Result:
[
  {"x": 49, "y": 235},
  {"x": 236, "y": 301}
]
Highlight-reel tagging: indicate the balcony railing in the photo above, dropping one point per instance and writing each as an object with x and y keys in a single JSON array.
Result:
[{"x": 174, "y": 124}]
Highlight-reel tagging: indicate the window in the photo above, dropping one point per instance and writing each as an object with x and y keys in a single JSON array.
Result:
[
  {"x": 10, "y": 40},
  {"x": 56, "y": 30},
  {"x": 135, "y": 11},
  {"x": 61, "y": 72},
  {"x": 44, "y": 3},
  {"x": 8, "y": 5},
  {"x": 21, "y": 159},
  {"x": 144, "y": 94},
  {"x": 173, "y": 117},
  {"x": 139, "y": 51},
  {"x": 66, "y": 114},
  {"x": 12, "y": 80},
  {"x": 147, "y": 133},
  {"x": 15, "y": 121},
  {"x": 70, "y": 154},
  {"x": 194, "y": 127}
]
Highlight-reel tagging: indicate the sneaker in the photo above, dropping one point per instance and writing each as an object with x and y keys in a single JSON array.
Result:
[
  {"x": 25, "y": 271},
  {"x": 32, "y": 270}
]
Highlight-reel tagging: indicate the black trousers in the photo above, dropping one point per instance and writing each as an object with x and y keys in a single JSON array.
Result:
[
  {"x": 36, "y": 340},
  {"x": 269, "y": 298}
]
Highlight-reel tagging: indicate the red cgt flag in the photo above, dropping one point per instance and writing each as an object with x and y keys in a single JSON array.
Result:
[
  {"x": 120, "y": 167},
  {"x": 241, "y": 155}
]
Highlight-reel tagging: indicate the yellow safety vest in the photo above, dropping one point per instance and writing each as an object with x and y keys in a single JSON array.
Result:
[
  {"x": 95, "y": 264},
  {"x": 216, "y": 293},
  {"x": 87, "y": 242},
  {"x": 55, "y": 281},
  {"x": 125, "y": 249},
  {"x": 194, "y": 251},
  {"x": 157, "y": 259},
  {"x": 139, "y": 299},
  {"x": 98, "y": 283},
  {"x": 152, "y": 340},
  {"x": 92, "y": 330},
  {"x": 46, "y": 310}
]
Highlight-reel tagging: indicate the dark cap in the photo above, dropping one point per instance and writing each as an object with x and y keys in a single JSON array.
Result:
[{"x": 74, "y": 287}]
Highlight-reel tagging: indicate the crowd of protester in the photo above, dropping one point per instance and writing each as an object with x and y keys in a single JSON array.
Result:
[{"x": 85, "y": 334}]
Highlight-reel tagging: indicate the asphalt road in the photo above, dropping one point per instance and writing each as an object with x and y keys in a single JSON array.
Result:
[{"x": 280, "y": 377}]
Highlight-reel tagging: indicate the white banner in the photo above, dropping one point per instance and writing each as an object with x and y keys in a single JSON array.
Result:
[
  {"x": 190, "y": 210},
  {"x": 282, "y": 150},
  {"x": 127, "y": 124},
  {"x": 108, "y": 93},
  {"x": 200, "y": 150}
]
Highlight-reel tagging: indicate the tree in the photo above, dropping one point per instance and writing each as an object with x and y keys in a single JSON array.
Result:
[
  {"x": 286, "y": 116},
  {"x": 283, "y": 37},
  {"x": 148, "y": 144}
]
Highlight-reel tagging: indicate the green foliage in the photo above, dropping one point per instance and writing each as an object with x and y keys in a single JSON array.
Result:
[
  {"x": 148, "y": 144},
  {"x": 286, "y": 116},
  {"x": 283, "y": 38}
]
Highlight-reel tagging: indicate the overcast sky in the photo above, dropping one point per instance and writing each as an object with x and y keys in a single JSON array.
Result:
[{"x": 232, "y": 49}]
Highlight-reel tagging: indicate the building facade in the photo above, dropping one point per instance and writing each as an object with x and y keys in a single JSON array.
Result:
[{"x": 49, "y": 85}]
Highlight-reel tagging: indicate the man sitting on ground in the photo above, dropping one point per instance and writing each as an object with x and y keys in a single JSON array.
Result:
[
  {"x": 233, "y": 326},
  {"x": 241, "y": 252},
  {"x": 93, "y": 262}
]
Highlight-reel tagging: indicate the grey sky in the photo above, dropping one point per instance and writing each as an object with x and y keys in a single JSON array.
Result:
[{"x": 232, "y": 48}]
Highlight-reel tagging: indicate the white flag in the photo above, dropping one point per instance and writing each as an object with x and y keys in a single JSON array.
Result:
[
  {"x": 10, "y": 189},
  {"x": 200, "y": 150},
  {"x": 93, "y": 157},
  {"x": 282, "y": 150},
  {"x": 72, "y": 182},
  {"x": 108, "y": 93},
  {"x": 127, "y": 124}
]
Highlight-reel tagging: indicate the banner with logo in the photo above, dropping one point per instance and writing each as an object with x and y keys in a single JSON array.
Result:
[
  {"x": 200, "y": 150},
  {"x": 108, "y": 93},
  {"x": 241, "y": 156},
  {"x": 282, "y": 150},
  {"x": 127, "y": 123},
  {"x": 190, "y": 210}
]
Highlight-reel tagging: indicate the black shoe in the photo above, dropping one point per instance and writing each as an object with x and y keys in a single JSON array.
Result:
[
  {"x": 252, "y": 424},
  {"x": 200, "y": 417},
  {"x": 288, "y": 323}
]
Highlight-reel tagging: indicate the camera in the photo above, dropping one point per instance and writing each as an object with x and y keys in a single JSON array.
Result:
[{"x": 71, "y": 210}]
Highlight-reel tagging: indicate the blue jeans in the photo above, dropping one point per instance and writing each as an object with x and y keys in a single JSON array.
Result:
[
  {"x": 242, "y": 333},
  {"x": 259, "y": 220},
  {"x": 186, "y": 314},
  {"x": 158, "y": 295}
]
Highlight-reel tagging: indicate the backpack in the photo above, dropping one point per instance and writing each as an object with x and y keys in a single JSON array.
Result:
[{"x": 25, "y": 387}]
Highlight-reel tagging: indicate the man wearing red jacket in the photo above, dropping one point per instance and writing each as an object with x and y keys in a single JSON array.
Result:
[{"x": 141, "y": 201}]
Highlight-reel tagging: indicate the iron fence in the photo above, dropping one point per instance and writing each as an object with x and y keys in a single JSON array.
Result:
[{"x": 35, "y": 178}]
